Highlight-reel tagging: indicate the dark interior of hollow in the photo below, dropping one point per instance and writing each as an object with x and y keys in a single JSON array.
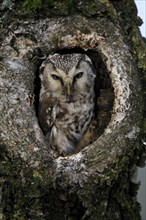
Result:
[{"x": 103, "y": 90}]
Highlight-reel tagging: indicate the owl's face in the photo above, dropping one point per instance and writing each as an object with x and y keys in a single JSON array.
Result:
[{"x": 67, "y": 74}]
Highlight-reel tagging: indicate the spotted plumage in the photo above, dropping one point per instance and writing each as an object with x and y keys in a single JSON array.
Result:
[{"x": 66, "y": 106}]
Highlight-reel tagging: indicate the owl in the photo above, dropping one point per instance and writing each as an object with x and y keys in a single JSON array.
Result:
[{"x": 66, "y": 103}]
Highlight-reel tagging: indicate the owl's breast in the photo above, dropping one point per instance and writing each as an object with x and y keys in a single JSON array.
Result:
[
  {"x": 75, "y": 115},
  {"x": 64, "y": 121}
]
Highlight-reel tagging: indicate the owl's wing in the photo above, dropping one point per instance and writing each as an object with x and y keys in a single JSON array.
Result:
[{"x": 47, "y": 111}]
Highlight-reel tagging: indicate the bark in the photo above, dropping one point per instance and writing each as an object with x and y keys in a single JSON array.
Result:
[{"x": 94, "y": 183}]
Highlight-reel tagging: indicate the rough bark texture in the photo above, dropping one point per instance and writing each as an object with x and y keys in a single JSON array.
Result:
[{"x": 96, "y": 182}]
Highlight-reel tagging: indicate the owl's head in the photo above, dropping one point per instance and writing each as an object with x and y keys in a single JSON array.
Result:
[{"x": 67, "y": 74}]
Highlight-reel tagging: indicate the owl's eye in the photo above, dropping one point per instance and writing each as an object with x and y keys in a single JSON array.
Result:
[
  {"x": 78, "y": 75},
  {"x": 55, "y": 77}
]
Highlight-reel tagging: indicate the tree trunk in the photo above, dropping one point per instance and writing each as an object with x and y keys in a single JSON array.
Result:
[{"x": 96, "y": 182}]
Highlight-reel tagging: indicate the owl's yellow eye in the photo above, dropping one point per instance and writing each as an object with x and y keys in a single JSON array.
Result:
[
  {"x": 78, "y": 75},
  {"x": 55, "y": 77}
]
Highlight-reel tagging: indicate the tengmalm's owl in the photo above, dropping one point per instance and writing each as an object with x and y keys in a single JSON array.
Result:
[{"x": 66, "y": 105}]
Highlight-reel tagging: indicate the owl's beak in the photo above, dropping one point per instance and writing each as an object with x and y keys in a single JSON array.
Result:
[
  {"x": 68, "y": 84},
  {"x": 68, "y": 89}
]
